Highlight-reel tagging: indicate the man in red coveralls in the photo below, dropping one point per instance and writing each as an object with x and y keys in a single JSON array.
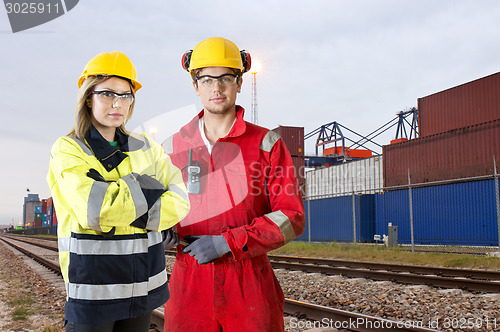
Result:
[{"x": 244, "y": 202}]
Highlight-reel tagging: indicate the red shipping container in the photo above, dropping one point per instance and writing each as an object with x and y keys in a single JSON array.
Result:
[
  {"x": 54, "y": 217},
  {"x": 461, "y": 106},
  {"x": 335, "y": 151},
  {"x": 360, "y": 153},
  {"x": 37, "y": 223},
  {"x": 459, "y": 153},
  {"x": 293, "y": 138},
  {"x": 353, "y": 153},
  {"x": 44, "y": 206},
  {"x": 399, "y": 140},
  {"x": 299, "y": 165}
]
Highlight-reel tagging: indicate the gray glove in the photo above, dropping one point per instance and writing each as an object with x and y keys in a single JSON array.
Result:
[
  {"x": 171, "y": 239},
  {"x": 207, "y": 248}
]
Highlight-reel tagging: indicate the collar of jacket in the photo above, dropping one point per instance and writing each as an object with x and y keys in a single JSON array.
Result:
[
  {"x": 109, "y": 156},
  {"x": 190, "y": 132}
]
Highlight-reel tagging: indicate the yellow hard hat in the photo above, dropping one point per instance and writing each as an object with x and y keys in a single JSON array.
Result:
[
  {"x": 112, "y": 64},
  {"x": 216, "y": 52}
]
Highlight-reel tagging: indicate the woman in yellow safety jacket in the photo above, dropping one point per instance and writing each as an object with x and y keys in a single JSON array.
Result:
[{"x": 116, "y": 193}]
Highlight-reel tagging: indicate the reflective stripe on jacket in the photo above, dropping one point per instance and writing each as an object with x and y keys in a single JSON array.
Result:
[{"x": 113, "y": 270}]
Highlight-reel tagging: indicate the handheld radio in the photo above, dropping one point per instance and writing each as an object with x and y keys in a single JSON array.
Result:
[{"x": 193, "y": 175}]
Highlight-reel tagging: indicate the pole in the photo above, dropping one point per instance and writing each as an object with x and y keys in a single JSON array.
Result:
[
  {"x": 498, "y": 200},
  {"x": 309, "y": 217},
  {"x": 353, "y": 212},
  {"x": 255, "y": 119},
  {"x": 411, "y": 213}
]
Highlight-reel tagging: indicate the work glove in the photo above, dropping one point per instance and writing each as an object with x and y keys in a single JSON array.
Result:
[
  {"x": 170, "y": 239},
  {"x": 94, "y": 174},
  {"x": 207, "y": 248},
  {"x": 151, "y": 188}
]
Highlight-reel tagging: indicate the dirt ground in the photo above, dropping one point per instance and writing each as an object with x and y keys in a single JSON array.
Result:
[{"x": 27, "y": 302}]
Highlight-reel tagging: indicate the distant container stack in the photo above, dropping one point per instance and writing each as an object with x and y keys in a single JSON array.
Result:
[
  {"x": 468, "y": 104},
  {"x": 459, "y": 153},
  {"x": 294, "y": 141},
  {"x": 459, "y": 136}
]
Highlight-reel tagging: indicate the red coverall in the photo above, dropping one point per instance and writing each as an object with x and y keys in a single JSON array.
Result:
[{"x": 250, "y": 195}]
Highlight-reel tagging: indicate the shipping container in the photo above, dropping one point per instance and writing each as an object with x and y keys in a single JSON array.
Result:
[
  {"x": 44, "y": 205},
  {"x": 38, "y": 217},
  {"x": 353, "y": 153},
  {"x": 298, "y": 165},
  {"x": 37, "y": 223},
  {"x": 44, "y": 216},
  {"x": 459, "y": 153},
  {"x": 38, "y": 209},
  {"x": 461, "y": 106},
  {"x": 453, "y": 214},
  {"x": 364, "y": 176},
  {"x": 332, "y": 219},
  {"x": 293, "y": 138},
  {"x": 54, "y": 217}
]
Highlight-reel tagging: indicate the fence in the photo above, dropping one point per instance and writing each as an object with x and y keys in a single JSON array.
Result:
[{"x": 460, "y": 215}]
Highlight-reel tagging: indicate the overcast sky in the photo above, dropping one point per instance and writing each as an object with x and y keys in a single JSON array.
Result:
[{"x": 355, "y": 62}]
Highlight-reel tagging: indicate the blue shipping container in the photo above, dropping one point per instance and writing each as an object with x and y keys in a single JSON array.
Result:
[
  {"x": 38, "y": 209},
  {"x": 44, "y": 216},
  {"x": 452, "y": 214},
  {"x": 332, "y": 219}
]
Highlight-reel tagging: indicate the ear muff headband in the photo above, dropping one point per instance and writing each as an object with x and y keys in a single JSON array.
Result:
[
  {"x": 246, "y": 59},
  {"x": 186, "y": 60}
]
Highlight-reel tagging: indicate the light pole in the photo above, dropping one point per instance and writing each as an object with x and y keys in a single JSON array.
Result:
[{"x": 254, "y": 70}]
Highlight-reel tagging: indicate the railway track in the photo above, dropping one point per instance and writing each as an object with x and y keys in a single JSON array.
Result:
[
  {"x": 330, "y": 317},
  {"x": 466, "y": 279},
  {"x": 471, "y": 280}
]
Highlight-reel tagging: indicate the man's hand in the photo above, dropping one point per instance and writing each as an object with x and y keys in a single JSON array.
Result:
[
  {"x": 171, "y": 239},
  {"x": 207, "y": 248}
]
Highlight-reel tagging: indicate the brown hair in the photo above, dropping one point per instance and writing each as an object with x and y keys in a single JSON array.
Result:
[{"x": 83, "y": 114}]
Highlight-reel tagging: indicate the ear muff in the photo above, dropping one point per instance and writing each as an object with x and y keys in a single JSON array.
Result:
[
  {"x": 186, "y": 60},
  {"x": 247, "y": 60}
]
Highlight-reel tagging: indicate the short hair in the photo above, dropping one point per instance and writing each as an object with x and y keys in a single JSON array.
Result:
[{"x": 83, "y": 114}]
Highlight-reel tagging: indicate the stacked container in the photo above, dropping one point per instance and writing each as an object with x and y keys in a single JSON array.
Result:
[
  {"x": 459, "y": 136},
  {"x": 294, "y": 141}
]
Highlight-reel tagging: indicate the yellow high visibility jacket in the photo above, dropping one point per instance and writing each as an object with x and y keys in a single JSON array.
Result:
[{"x": 109, "y": 228}]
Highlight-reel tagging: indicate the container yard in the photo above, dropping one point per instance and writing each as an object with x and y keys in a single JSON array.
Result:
[{"x": 439, "y": 188}]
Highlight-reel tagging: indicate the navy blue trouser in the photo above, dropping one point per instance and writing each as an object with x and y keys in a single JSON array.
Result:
[{"x": 135, "y": 324}]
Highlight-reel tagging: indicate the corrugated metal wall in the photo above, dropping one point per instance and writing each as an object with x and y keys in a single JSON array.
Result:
[
  {"x": 332, "y": 219},
  {"x": 459, "y": 153},
  {"x": 363, "y": 176},
  {"x": 452, "y": 214},
  {"x": 464, "y": 105}
]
